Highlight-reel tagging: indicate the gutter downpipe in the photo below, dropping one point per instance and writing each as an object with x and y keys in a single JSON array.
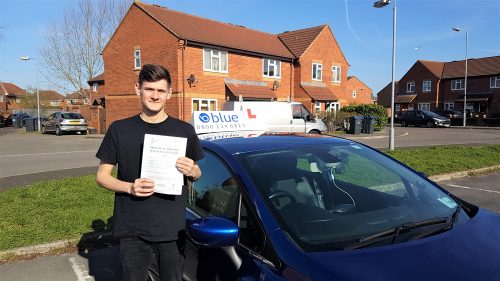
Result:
[
  {"x": 183, "y": 82},
  {"x": 291, "y": 82}
]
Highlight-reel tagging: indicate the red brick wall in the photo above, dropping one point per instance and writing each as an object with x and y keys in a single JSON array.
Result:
[
  {"x": 363, "y": 92},
  {"x": 418, "y": 73},
  {"x": 157, "y": 45},
  {"x": 324, "y": 50},
  {"x": 210, "y": 85}
]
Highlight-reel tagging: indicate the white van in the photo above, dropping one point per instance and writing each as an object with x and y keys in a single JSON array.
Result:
[{"x": 279, "y": 116}]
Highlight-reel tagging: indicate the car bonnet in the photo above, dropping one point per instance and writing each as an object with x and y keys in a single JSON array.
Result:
[{"x": 470, "y": 251}]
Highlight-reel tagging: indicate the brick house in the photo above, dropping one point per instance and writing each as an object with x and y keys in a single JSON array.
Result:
[
  {"x": 50, "y": 99},
  {"x": 430, "y": 85},
  {"x": 320, "y": 68},
  {"x": 10, "y": 97},
  {"x": 357, "y": 92},
  {"x": 211, "y": 62},
  {"x": 96, "y": 84}
]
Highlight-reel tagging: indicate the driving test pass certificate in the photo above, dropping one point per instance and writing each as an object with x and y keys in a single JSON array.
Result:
[{"x": 159, "y": 155}]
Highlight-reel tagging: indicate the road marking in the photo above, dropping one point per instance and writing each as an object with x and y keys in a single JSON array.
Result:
[
  {"x": 479, "y": 189},
  {"x": 60, "y": 169},
  {"x": 47, "y": 153},
  {"x": 81, "y": 274}
]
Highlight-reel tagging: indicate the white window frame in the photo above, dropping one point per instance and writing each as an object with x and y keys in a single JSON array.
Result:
[
  {"x": 457, "y": 84},
  {"x": 449, "y": 105},
  {"x": 426, "y": 86},
  {"x": 137, "y": 59},
  {"x": 354, "y": 94},
  {"x": 203, "y": 104},
  {"x": 334, "y": 106},
  {"x": 495, "y": 82},
  {"x": 1, "y": 98},
  {"x": 54, "y": 103},
  {"x": 18, "y": 100},
  {"x": 276, "y": 64},
  {"x": 317, "y": 106},
  {"x": 216, "y": 54},
  {"x": 94, "y": 87},
  {"x": 319, "y": 68},
  {"x": 336, "y": 73},
  {"x": 425, "y": 106},
  {"x": 397, "y": 107},
  {"x": 410, "y": 87}
]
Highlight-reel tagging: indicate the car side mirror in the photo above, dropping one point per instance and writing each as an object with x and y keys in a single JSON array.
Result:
[{"x": 213, "y": 232}]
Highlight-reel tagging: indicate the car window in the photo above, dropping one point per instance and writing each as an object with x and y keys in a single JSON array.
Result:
[
  {"x": 71, "y": 116},
  {"x": 328, "y": 195},
  {"x": 216, "y": 192}
]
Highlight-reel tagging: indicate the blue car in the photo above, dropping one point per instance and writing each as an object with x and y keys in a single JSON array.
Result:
[{"x": 313, "y": 207}]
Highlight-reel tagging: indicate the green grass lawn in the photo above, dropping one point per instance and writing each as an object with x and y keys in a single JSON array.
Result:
[
  {"x": 52, "y": 210},
  {"x": 447, "y": 159},
  {"x": 68, "y": 208}
]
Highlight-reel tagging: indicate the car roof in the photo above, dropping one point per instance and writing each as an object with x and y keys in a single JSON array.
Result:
[{"x": 268, "y": 141}]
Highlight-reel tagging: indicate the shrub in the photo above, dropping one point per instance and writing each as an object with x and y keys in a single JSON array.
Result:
[
  {"x": 336, "y": 121},
  {"x": 378, "y": 111}
]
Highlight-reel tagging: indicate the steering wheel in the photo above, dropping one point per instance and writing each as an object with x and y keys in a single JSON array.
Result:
[{"x": 280, "y": 194}]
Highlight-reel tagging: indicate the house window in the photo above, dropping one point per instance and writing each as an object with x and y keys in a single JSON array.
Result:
[
  {"x": 214, "y": 60},
  {"x": 137, "y": 59},
  {"x": 457, "y": 84},
  {"x": 18, "y": 100},
  {"x": 317, "y": 106},
  {"x": 204, "y": 104},
  {"x": 410, "y": 87},
  {"x": 54, "y": 103},
  {"x": 424, "y": 106},
  {"x": 271, "y": 68},
  {"x": 397, "y": 107},
  {"x": 333, "y": 106},
  {"x": 1, "y": 98},
  {"x": 495, "y": 82},
  {"x": 94, "y": 87},
  {"x": 354, "y": 93},
  {"x": 336, "y": 73},
  {"x": 426, "y": 86},
  {"x": 317, "y": 71},
  {"x": 449, "y": 105}
]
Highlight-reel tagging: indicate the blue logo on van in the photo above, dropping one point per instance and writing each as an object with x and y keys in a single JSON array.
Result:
[
  {"x": 219, "y": 117},
  {"x": 204, "y": 117}
]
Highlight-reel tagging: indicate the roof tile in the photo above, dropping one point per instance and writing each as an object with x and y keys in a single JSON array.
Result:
[{"x": 210, "y": 32}]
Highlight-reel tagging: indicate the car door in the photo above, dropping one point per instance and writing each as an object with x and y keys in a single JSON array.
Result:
[
  {"x": 50, "y": 123},
  {"x": 217, "y": 193},
  {"x": 299, "y": 113}
]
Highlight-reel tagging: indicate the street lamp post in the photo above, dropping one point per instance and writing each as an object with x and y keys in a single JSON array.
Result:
[
  {"x": 27, "y": 58},
  {"x": 380, "y": 4},
  {"x": 465, "y": 79}
]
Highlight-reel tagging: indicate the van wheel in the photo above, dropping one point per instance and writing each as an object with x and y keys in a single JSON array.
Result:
[
  {"x": 314, "y": 132},
  {"x": 58, "y": 131}
]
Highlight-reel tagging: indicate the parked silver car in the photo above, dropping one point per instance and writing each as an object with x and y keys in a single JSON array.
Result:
[{"x": 64, "y": 122}]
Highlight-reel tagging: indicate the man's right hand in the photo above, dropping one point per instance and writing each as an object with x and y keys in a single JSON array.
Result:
[{"x": 143, "y": 188}]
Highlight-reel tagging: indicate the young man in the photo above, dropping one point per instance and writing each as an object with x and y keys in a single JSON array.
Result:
[{"x": 148, "y": 224}]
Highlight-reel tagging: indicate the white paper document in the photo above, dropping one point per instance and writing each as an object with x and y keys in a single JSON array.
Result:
[{"x": 159, "y": 155}]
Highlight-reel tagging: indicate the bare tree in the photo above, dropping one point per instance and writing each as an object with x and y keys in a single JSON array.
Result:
[{"x": 71, "y": 51}]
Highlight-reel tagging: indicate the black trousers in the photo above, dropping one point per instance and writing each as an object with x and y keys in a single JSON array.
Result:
[{"x": 136, "y": 255}]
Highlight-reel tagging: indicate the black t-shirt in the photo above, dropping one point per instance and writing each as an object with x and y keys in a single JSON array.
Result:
[{"x": 159, "y": 217}]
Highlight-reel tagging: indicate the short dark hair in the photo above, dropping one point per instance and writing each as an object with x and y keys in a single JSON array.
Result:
[{"x": 153, "y": 73}]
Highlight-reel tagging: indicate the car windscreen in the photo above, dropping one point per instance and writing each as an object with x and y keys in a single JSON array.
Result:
[
  {"x": 71, "y": 116},
  {"x": 432, "y": 114},
  {"x": 327, "y": 196}
]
